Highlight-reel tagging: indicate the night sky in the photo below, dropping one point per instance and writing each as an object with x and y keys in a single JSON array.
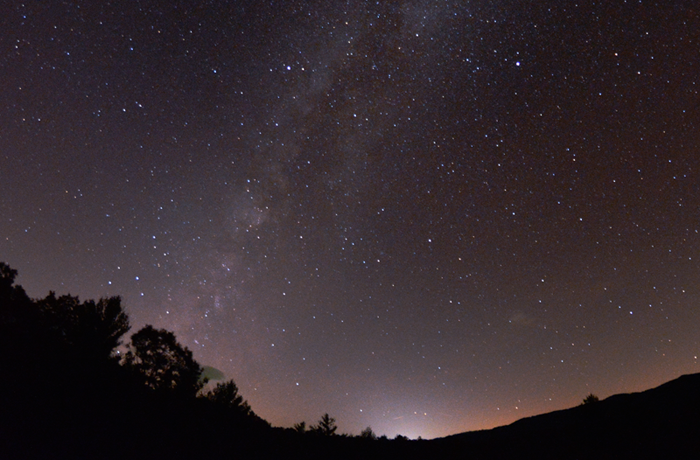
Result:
[{"x": 427, "y": 217}]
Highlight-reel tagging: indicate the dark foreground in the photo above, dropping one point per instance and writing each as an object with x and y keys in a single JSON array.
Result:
[{"x": 80, "y": 422}]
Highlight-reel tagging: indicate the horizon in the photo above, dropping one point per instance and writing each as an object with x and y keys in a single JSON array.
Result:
[{"x": 506, "y": 420}]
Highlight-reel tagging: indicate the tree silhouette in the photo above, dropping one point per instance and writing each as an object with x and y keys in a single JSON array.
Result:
[
  {"x": 14, "y": 302},
  {"x": 93, "y": 328},
  {"x": 162, "y": 362},
  {"x": 367, "y": 433},
  {"x": 102, "y": 324},
  {"x": 21, "y": 337},
  {"x": 299, "y": 427},
  {"x": 326, "y": 426},
  {"x": 590, "y": 399},
  {"x": 226, "y": 394}
]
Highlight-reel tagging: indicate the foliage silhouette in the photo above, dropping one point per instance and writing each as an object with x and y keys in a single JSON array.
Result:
[
  {"x": 14, "y": 302},
  {"x": 8, "y": 291},
  {"x": 590, "y": 399},
  {"x": 367, "y": 433},
  {"x": 94, "y": 328},
  {"x": 326, "y": 426},
  {"x": 300, "y": 427},
  {"x": 226, "y": 394},
  {"x": 162, "y": 362}
]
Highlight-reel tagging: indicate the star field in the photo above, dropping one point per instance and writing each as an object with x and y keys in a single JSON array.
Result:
[{"x": 428, "y": 216}]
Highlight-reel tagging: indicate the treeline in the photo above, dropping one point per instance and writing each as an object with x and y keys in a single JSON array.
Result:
[
  {"x": 65, "y": 392},
  {"x": 63, "y": 382},
  {"x": 87, "y": 334}
]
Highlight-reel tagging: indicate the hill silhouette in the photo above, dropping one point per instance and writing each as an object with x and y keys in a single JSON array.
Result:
[{"x": 662, "y": 422}]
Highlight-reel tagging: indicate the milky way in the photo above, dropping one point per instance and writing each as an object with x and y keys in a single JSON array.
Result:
[{"x": 427, "y": 217}]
